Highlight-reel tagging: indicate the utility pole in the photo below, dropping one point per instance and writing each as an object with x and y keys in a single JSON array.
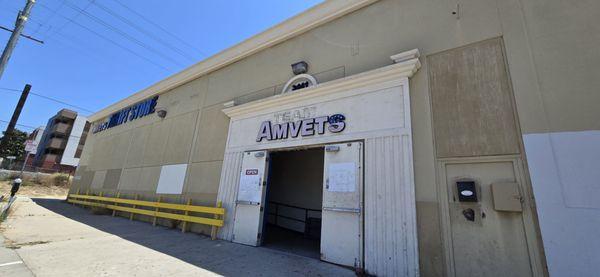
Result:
[
  {"x": 23, "y": 35},
  {"x": 14, "y": 37},
  {"x": 15, "y": 117}
]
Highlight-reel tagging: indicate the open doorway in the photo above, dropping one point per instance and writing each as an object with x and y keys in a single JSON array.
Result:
[{"x": 294, "y": 201}]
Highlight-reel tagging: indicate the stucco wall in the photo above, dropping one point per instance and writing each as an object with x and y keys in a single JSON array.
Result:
[
  {"x": 553, "y": 67},
  {"x": 551, "y": 54},
  {"x": 68, "y": 156}
]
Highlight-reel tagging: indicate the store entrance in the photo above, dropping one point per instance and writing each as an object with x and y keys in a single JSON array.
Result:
[{"x": 294, "y": 200}]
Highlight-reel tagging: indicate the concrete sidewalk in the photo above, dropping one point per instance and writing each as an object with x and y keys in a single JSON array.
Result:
[
  {"x": 57, "y": 239},
  {"x": 10, "y": 262}
]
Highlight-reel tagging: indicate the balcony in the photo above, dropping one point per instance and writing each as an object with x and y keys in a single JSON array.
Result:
[
  {"x": 60, "y": 128},
  {"x": 56, "y": 143},
  {"x": 67, "y": 114},
  {"x": 50, "y": 158}
]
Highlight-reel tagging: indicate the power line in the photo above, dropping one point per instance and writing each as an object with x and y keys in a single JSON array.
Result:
[
  {"x": 122, "y": 33},
  {"x": 12, "y": 89},
  {"x": 22, "y": 125},
  {"x": 37, "y": 29},
  {"x": 20, "y": 23},
  {"x": 23, "y": 35},
  {"x": 76, "y": 46},
  {"x": 97, "y": 57},
  {"x": 71, "y": 20},
  {"x": 47, "y": 19},
  {"x": 71, "y": 42},
  {"x": 59, "y": 33},
  {"x": 61, "y": 102},
  {"x": 33, "y": 128},
  {"x": 141, "y": 30},
  {"x": 33, "y": 20},
  {"x": 161, "y": 28},
  {"x": 51, "y": 99}
]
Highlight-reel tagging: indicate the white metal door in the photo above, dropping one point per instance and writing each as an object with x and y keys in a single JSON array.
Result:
[
  {"x": 250, "y": 199},
  {"x": 341, "y": 229}
]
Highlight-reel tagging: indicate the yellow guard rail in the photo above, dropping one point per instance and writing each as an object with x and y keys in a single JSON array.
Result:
[{"x": 112, "y": 203}]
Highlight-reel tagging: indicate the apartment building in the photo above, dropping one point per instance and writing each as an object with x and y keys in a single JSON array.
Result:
[
  {"x": 61, "y": 143},
  {"x": 33, "y": 140}
]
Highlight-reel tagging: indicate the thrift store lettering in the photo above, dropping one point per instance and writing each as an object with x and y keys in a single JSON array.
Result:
[
  {"x": 133, "y": 112},
  {"x": 305, "y": 127}
]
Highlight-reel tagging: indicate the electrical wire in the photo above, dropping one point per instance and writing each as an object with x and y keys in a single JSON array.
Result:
[
  {"x": 22, "y": 125},
  {"x": 48, "y": 18},
  {"x": 161, "y": 28},
  {"x": 33, "y": 128},
  {"x": 16, "y": 11},
  {"x": 122, "y": 33},
  {"x": 111, "y": 41},
  {"x": 142, "y": 30},
  {"x": 69, "y": 19},
  {"x": 49, "y": 98}
]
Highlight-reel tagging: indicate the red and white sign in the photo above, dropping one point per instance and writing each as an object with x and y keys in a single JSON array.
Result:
[
  {"x": 30, "y": 146},
  {"x": 251, "y": 171}
]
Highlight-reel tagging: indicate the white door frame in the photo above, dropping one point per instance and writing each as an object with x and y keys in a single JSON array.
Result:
[
  {"x": 376, "y": 105},
  {"x": 249, "y": 212},
  {"x": 359, "y": 264}
]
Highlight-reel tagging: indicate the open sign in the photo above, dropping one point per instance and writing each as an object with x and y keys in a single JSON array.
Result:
[{"x": 252, "y": 171}]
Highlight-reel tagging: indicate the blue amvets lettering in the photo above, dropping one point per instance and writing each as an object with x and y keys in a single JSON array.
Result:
[{"x": 305, "y": 127}]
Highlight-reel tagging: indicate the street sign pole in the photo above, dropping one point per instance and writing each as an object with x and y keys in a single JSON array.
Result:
[{"x": 24, "y": 163}]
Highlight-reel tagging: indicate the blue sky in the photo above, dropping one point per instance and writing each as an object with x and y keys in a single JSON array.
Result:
[{"x": 79, "y": 64}]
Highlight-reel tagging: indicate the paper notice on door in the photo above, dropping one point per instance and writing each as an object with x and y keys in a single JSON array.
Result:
[
  {"x": 250, "y": 189},
  {"x": 342, "y": 177}
]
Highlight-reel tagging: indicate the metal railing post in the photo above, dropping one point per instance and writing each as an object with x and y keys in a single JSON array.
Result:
[
  {"x": 116, "y": 204},
  {"x": 155, "y": 211},
  {"x": 214, "y": 229},
  {"x": 180, "y": 212},
  {"x": 184, "y": 225},
  {"x": 87, "y": 192},
  {"x": 134, "y": 206},
  {"x": 78, "y": 191}
]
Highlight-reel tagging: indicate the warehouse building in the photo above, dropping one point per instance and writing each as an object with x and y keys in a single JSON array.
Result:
[{"x": 433, "y": 138}]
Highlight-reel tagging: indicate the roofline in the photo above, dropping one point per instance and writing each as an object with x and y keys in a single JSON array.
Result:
[
  {"x": 407, "y": 64},
  {"x": 292, "y": 27}
]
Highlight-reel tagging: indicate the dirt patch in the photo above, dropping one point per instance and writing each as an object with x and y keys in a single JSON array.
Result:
[
  {"x": 35, "y": 190},
  {"x": 13, "y": 245}
]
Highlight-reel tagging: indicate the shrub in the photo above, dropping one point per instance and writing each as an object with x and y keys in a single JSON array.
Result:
[
  {"x": 60, "y": 179},
  {"x": 56, "y": 179}
]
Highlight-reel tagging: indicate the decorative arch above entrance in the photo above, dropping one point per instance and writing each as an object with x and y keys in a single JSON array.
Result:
[
  {"x": 299, "y": 82},
  {"x": 372, "y": 108}
]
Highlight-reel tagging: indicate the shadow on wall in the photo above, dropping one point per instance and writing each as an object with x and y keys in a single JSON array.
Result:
[{"x": 218, "y": 256}]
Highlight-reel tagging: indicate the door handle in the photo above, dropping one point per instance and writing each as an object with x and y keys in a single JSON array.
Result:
[{"x": 345, "y": 210}]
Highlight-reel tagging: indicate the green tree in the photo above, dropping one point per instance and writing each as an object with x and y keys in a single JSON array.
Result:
[{"x": 15, "y": 145}]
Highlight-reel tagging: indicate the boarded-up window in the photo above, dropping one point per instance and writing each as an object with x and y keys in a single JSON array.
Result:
[
  {"x": 472, "y": 102},
  {"x": 111, "y": 181},
  {"x": 171, "y": 179}
]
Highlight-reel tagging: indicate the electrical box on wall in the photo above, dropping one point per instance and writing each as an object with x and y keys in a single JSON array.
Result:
[
  {"x": 467, "y": 192},
  {"x": 506, "y": 197}
]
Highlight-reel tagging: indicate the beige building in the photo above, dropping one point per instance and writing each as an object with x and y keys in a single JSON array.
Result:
[{"x": 433, "y": 138}]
